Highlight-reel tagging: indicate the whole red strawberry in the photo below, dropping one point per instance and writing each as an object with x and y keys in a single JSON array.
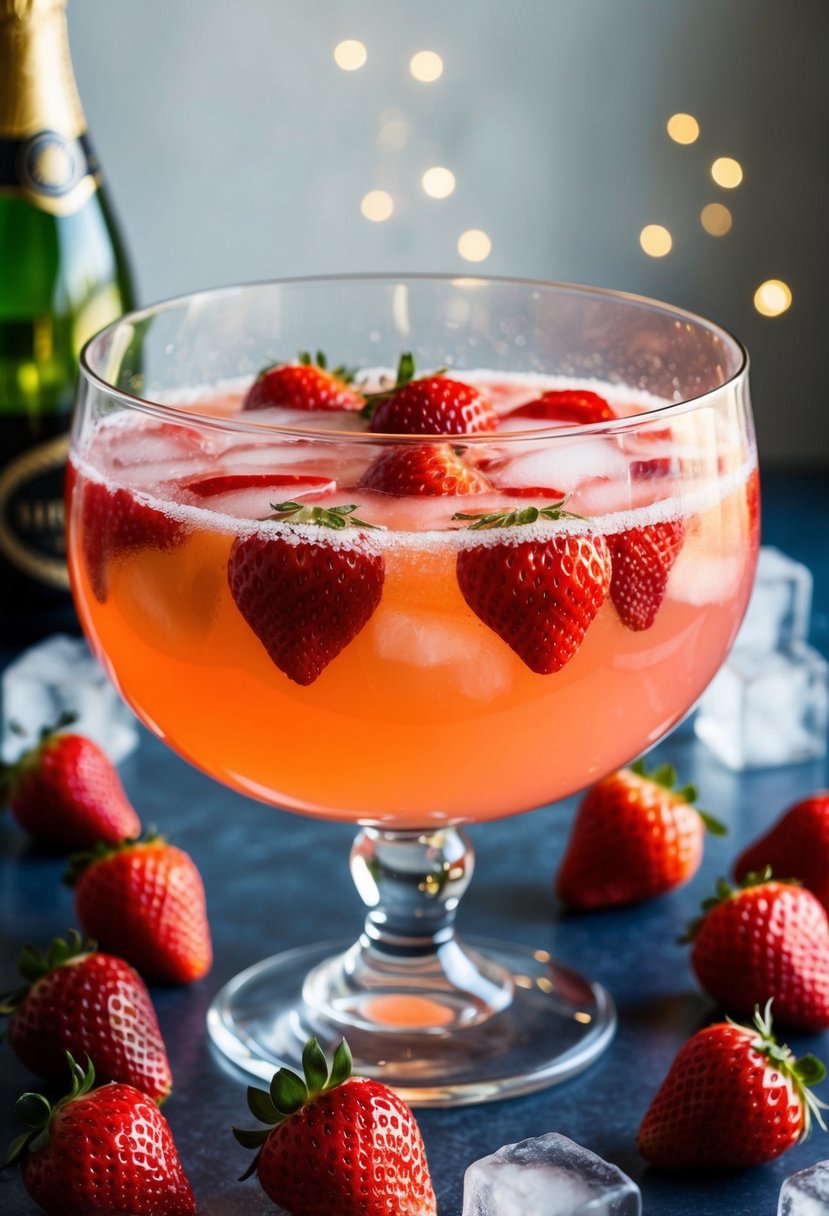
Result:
[
  {"x": 337, "y": 1144},
  {"x": 797, "y": 845},
  {"x": 642, "y": 560},
  {"x": 541, "y": 595},
  {"x": 106, "y": 1150},
  {"x": 635, "y": 835},
  {"x": 305, "y": 598},
  {"x": 733, "y": 1098},
  {"x": 90, "y": 1004},
  {"x": 144, "y": 901},
  {"x": 421, "y": 471},
  {"x": 116, "y": 523},
  {"x": 430, "y": 405},
  {"x": 305, "y": 385},
  {"x": 67, "y": 793},
  {"x": 567, "y": 406},
  {"x": 765, "y": 939}
]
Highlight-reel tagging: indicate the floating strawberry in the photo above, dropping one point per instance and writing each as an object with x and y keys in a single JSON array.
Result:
[
  {"x": 144, "y": 901},
  {"x": 116, "y": 523},
  {"x": 541, "y": 595},
  {"x": 635, "y": 835},
  {"x": 67, "y": 793},
  {"x": 642, "y": 560},
  {"x": 304, "y": 598},
  {"x": 227, "y": 483},
  {"x": 305, "y": 385},
  {"x": 567, "y": 405},
  {"x": 430, "y": 405},
  {"x": 106, "y": 1150},
  {"x": 733, "y": 1098},
  {"x": 337, "y": 1144},
  {"x": 765, "y": 939},
  {"x": 432, "y": 470},
  {"x": 92, "y": 1004},
  {"x": 797, "y": 845}
]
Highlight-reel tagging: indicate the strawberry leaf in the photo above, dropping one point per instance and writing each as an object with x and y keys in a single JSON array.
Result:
[
  {"x": 314, "y": 1066},
  {"x": 261, "y": 1106},
  {"x": 250, "y": 1138},
  {"x": 341, "y": 1067},
  {"x": 288, "y": 1092},
  {"x": 809, "y": 1070},
  {"x": 34, "y": 1110}
]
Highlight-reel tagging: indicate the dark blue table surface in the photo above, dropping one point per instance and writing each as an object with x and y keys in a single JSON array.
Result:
[{"x": 276, "y": 880}]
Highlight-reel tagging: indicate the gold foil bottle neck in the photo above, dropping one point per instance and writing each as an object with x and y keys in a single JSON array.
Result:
[
  {"x": 24, "y": 10},
  {"x": 37, "y": 83}
]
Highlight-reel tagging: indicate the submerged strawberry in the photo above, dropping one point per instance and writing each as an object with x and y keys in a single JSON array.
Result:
[
  {"x": 305, "y": 599},
  {"x": 93, "y": 1004},
  {"x": 541, "y": 595},
  {"x": 107, "y": 1151},
  {"x": 226, "y": 483},
  {"x": 642, "y": 560},
  {"x": 116, "y": 523},
  {"x": 433, "y": 470},
  {"x": 430, "y": 405},
  {"x": 569, "y": 405},
  {"x": 733, "y": 1098},
  {"x": 337, "y": 1144},
  {"x": 67, "y": 793},
  {"x": 305, "y": 385}
]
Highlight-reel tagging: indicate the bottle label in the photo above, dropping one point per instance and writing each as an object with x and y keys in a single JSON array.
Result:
[
  {"x": 53, "y": 172},
  {"x": 32, "y": 512}
]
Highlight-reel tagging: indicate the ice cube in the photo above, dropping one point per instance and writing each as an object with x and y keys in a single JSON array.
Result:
[
  {"x": 806, "y": 1193},
  {"x": 767, "y": 708},
  {"x": 564, "y": 464},
  {"x": 548, "y": 1176},
  {"x": 57, "y": 676},
  {"x": 781, "y": 602},
  {"x": 474, "y": 664}
]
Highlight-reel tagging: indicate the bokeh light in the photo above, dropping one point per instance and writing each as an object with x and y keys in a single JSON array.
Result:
[
  {"x": 716, "y": 219},
  {"x": 772, "y": 298},
  {"x": 350, "y": 55},
  {"x": 426, "y": 66},
  {"x": 394, "y": 132},
  {"x": 727, "y": 172},
  {"x": 438, "y": 182},
  {"x": 655, "y": 240},
  {"x": 474, "y": 245},
  {"x": 377, "y": 205},
  {"x": 683, "y": 128}
]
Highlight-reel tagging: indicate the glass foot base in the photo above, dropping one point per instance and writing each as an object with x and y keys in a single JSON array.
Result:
[{"x": 554, "y": 1024}]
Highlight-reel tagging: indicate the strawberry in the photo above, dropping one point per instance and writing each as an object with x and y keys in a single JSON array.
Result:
[
  {"x": 541, "y": 595},
  {"x": 566, "y": 405},
  {"x": 80, "y": 1000},
  {"x": 733, "y": 1098},
  {"x": 765, "y": 939},
  {"x": 304, "y": 598},
  {"x": 226, "y": 483},
  {"x": 303, "y": 386},
  {"x": 144, "y": 901},
  {"x": 434, "y": 470},
  {"x": 431, "y": 405},
  {"x": 797, "y": 845},
  {"x": 635, "y": 835},
  {"x": 642, "y": 560},
  {"x": 337, "y": 1143},
  {"x": 67, "y": 793},
  {"x": 106, "y": 1150},
  {"x": 116, "y": 523}
]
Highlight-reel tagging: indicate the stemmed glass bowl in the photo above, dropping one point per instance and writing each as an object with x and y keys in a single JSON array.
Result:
[{"x": 294, "y": 610}]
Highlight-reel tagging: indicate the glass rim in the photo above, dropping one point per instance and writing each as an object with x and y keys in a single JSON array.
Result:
[{"x": 612, "y": 426}]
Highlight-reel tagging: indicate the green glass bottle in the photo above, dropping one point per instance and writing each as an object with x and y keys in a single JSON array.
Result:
[{"x": 63, "y": 275}]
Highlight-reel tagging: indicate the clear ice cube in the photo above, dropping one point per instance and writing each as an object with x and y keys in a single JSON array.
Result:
[
  {"x": 548, "y": 1176},
  {"x": 766, "y": 708},
  {"x": 57, "y": 676},
  {"x": 781, "y": 603},
  {"x": 806, "y": 1193}
]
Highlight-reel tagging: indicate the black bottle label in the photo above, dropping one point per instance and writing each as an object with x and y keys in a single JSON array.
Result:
[
  {"x": 53, "y": 172},
  {"x": 32, "y": 511}
]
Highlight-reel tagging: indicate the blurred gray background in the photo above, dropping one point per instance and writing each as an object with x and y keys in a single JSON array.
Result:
[{"x": 236, "y": 148}]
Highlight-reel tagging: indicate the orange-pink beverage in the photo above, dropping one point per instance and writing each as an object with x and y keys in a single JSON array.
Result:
[{"x": 427, "y": 715}]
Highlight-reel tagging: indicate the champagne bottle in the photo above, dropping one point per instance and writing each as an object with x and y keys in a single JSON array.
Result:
[{"x": 63, "y": 275}]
